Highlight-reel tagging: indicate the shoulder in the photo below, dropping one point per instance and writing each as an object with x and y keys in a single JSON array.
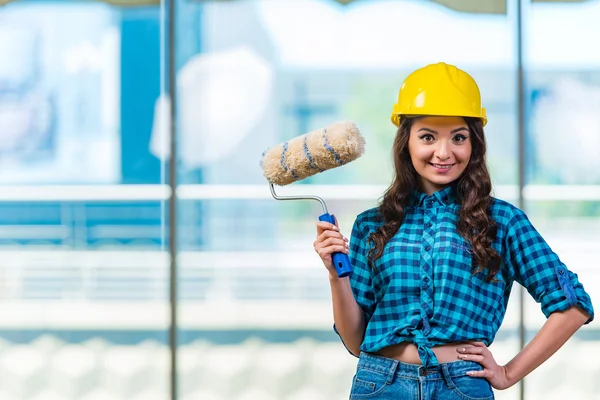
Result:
[
  {"x": 505, "y": 214},
  {"x": 369, "y": 215},
  {"x": 368, "y": 220}
]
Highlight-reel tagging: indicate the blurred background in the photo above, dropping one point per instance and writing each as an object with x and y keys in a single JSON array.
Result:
[{"x": 89, "y": 239}]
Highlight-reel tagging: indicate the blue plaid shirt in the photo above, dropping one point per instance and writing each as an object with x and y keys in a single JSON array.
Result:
[{"x": 423, "y": 290}]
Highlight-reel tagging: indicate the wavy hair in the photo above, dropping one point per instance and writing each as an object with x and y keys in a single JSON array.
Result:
[{"x": 473, "y": 190}]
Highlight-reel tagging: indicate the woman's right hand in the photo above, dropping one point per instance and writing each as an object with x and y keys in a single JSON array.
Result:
[{"x": 329, "y": 241}]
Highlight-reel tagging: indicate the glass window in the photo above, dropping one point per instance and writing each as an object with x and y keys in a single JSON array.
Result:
[
  {"x": 84, "y": 216},
  {"x": 261, "y": 75},
  {"x": 563, "y": 181},
  {"x": 83, "y": 278}
]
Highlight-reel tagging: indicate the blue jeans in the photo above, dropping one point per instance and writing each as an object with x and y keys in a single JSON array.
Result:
[{"x": 383, "y": 378}]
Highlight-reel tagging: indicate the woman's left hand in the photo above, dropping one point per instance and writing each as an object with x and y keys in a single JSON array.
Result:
[{"x": 478, "y": 352}]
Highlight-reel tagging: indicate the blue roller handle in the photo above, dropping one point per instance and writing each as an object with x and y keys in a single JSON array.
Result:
[{"x": 340, "y": 260}]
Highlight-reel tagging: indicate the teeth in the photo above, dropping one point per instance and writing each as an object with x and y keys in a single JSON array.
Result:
[{"x": 442, "y": 166}]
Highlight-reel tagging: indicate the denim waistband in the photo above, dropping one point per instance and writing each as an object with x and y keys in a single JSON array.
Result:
[{"x": 398, "y": 368}]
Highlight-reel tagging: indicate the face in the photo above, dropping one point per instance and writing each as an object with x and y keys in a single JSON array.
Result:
[{"x": 440, "y": 150}]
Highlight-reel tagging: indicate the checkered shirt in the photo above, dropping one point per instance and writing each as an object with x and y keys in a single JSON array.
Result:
[{"x": 423, "y": 291}]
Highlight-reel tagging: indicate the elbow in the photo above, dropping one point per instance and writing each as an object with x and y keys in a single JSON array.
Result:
[
  {"x": 353, "y": 347},
  {"x": 576, "y": 315},
  {"x": 355, "y": 351},
  {"x": 582, "y": 316}
]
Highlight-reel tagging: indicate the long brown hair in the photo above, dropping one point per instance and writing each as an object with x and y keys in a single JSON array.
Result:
[{"x": 473, "y": 190}]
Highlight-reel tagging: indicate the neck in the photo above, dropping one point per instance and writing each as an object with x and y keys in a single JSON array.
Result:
[{"x": 429, "y": 188}]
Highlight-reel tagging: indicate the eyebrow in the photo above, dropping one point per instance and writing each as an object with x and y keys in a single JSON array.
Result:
[{"x": 462, "y": 128}]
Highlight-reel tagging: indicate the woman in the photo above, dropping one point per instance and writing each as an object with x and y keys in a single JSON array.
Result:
[{"x": 434, "y": 264}]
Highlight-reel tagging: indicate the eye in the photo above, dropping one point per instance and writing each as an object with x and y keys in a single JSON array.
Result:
[
  {"x": 459, "y": 138},
  {"x": 427, "y": 138}
]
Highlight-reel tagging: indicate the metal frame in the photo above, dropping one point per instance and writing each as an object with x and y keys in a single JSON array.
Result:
[
  {"x": 522, "y": 157},
  {"x": 172, "y": 176},
  {"x": 162, "y": 192},
  {"x": 522, "y": 102}
]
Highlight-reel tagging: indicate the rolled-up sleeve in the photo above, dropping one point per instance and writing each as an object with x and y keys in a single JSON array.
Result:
[{"x": 535, "y": 266}]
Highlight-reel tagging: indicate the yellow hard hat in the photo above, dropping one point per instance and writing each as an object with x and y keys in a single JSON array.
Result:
[{"x": 439, "y": 89}]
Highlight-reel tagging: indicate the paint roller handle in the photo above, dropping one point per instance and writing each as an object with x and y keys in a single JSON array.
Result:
[{"x": 340, "y": 260}]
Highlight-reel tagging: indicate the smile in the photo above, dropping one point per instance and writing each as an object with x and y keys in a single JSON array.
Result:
[{"x": 442, "y": 166}]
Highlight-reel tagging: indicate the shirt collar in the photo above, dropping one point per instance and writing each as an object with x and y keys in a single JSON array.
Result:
[{"x": 442, "y": 197}]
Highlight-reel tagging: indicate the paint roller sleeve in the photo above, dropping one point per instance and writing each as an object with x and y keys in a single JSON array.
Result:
[{"x": 314, "y": 152}]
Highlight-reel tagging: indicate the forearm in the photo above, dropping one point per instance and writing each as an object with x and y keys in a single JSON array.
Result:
[
  {"x": 348, "y": 316},
  {"x": 559, "y": 327}
]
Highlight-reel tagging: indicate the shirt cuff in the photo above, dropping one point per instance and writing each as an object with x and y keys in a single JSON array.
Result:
[{"x": 567, "y": 296}]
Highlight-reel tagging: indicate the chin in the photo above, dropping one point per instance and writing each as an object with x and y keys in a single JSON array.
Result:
[{"x": 444, "y": 181}]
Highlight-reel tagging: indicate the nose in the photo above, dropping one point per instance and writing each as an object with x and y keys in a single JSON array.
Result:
[{"x": 442, "y": 151}]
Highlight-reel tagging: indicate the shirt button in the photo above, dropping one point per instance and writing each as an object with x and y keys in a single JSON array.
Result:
[
  {"x": 426, "y": 279},
  {"x": 561, "y": 272},
  {"x": 430, "y": 203},
  {"x": 427, "y": 248},
  {"x": 428, "y": 224}
]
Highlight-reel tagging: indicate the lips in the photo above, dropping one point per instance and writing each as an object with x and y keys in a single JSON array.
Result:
[{"x": 442, "y": 166}]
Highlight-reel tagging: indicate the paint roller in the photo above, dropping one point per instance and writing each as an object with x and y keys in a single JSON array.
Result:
[{"x": 309, "y": 154}]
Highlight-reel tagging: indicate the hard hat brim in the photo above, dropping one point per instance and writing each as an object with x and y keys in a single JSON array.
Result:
[{"x": 397, "y": 118}]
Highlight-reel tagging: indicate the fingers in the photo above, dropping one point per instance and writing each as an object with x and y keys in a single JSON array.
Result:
[
  {"x": 472, "y": 353},
  {"x": 326, "y": 252},
  {"x": 472, "y": 357},
  {"x": 478, "y": 374},
  {"x": 478, "y": 352},
  {"x": 326, "y": 235},
  {"x": 492, "y": 375},
  {"x": 331, "y": 245},
  {"x": 329, "y": 240},
  {"x": 325, "y": 230},
  {"x": 324, "y": 226},
  {"x": 471, "y": 350}
]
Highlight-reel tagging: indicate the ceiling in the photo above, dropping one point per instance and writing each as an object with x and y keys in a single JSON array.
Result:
[{"x": 470, "y": 6}]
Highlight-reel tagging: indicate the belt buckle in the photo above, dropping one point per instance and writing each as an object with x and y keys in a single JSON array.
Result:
[{"x": 423, "y": 371}]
